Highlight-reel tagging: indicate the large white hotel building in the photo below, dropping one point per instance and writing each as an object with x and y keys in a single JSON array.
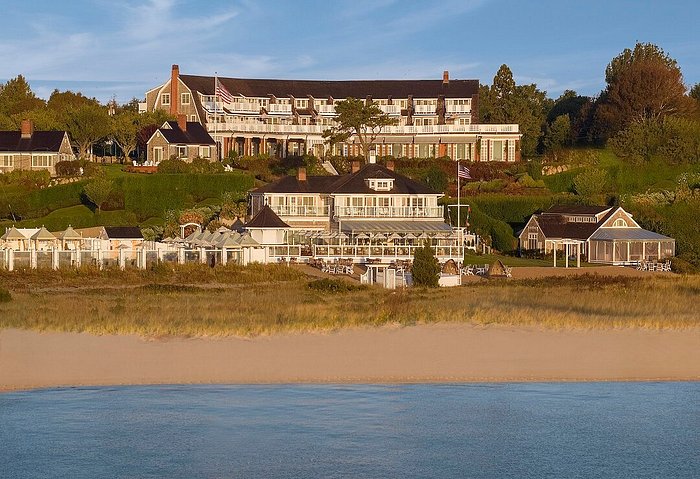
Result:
[{"x": 287, "y": 117}]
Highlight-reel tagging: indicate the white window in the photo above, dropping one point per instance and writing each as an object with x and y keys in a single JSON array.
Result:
[
  {"x": 185, "y": 98},
  {"x": 511, "y": 150},
  {"x": 42, "y": 161},
  {"x": 484, "y": 150},
  {"x": 7, "y": 160},
  {"x": 620, "y": 223},
  {"x": 181, "y": 151},
  {"x": 158, "y": 154},
  {"x": 165, "y": 99},
  {"x": 193, "y": 117},
  {"x": 204, "y": 152},
  {"x": 532, "y": 241}
]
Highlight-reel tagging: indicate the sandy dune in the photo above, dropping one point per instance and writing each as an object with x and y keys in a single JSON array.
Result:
[{"x": 425, "y": 353}]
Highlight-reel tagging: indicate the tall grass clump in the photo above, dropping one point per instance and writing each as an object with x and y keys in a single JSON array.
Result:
[{"x": 5, "y": 296}]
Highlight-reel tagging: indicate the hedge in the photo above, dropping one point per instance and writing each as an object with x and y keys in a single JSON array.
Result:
[{"x": 153, "y": 195}]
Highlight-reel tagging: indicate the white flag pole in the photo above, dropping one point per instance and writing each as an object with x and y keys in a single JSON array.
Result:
[
  {"x": 216, "y": 114},
  {"x": 459, "y": 216}
]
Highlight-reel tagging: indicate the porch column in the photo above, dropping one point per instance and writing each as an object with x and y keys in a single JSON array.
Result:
[
  {"x": 32, "y": 259},
  {"x": 566, "y": 255},
  {"x": 224, "y": 256},
  {"x": 10, "y": 260},
  {"x": 99, "y": 258},
  {"x": 202, "y": 255},
  {"x": 122, "y": 259},
  {"x": 554, "y": 251},
  {"x": 578, "y": 255},
  {"x": 658, "y": 248},
  {"x": 628, "y": 251},
  {"x": 54, "y": 258},
  {"x": 77, "y": 257},
  {"x": 181, "y": 256}
]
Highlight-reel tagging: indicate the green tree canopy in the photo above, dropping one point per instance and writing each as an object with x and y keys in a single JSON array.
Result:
[
  {"x": 642, "y": 84},
  {"x": 354, "y": 117},
  {"x": 557, "y": 134},
  {"x": 98, "y": 190},
  {"x": 86, "y": 125},
  {"x": 506, "y": 102},
  {"x": 426, "y": 268},
  {"x": 16, "y": 96}
]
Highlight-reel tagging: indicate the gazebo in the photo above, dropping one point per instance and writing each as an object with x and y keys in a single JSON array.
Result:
[
  {"x": 70, "y": 239},
  {"x": 44, "y": 240}
]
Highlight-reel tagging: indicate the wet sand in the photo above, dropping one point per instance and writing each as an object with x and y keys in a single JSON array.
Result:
[{"x": 423, "y": 353}]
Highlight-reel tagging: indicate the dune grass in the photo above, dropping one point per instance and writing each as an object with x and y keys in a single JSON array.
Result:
[{"x": 264, "y": 301}]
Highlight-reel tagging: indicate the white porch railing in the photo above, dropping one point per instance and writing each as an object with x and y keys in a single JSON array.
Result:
[
  {"x": 263, "y": 128},
  {"x": 301, "y": 210},
  {"x": 361, "y": 253},
  {"x": 389, "y": 211}
]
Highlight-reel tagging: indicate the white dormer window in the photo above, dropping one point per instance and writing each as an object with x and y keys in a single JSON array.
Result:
[
  {"x": 381, "y": 184},
  {"x": 620, "y": 223}
]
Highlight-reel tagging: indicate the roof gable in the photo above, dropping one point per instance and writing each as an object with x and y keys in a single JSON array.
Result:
[
  {"x": 123, "y": 232},
  {"x": 195, "y": 134},
  {"x": 266, "y": 218}
]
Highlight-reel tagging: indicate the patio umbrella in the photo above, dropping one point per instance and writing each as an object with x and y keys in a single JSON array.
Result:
[
  {"x": 362, "y": 236},
  {"x": 379, "y": 236},
  {"x": 409, "y": 236},
  {"x": 394, "y": 236}
]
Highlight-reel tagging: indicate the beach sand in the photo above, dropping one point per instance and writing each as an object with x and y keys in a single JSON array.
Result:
[{"x": 423, "y": 353}]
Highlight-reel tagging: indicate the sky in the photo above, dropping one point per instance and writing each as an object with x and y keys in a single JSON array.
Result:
[{"x": 122, "y": 48}]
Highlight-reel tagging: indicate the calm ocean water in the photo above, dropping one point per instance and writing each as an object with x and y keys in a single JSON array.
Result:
[{"x": 611, "y": 430}]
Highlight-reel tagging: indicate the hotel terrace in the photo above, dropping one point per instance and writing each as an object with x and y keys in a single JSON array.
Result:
[{"x": 287, "y": 117}]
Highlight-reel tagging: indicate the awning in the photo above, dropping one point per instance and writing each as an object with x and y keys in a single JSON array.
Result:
[{"x": 396, "y": 226}]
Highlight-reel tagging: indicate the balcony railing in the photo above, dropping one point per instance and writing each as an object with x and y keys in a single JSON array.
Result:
[
  {"x": 244, "y": 107},
  {"x": 278, "y": 108},
  {"x": 424, "y": 109},
  {"x": 389, "y": 211},
  {"x": 301, "y": 210},
  {"x": 326, "y": 109},
  {"x": 459, "y": 108},
  {"x": 475, "y": 129},
  {"x": 390, "y": 109}
]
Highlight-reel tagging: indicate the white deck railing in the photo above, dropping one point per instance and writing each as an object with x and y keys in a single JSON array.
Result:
[
  {"x": 301, "y": 210},
  {"x": 389, "y": 211},
  {"x": 389, "y": 130}
]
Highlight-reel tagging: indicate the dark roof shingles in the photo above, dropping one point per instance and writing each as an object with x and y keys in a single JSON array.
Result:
[
  {"x": 195, "y": 134},
  {"x": 323, "y": 89},
  {"x": 266, "y": 218},
  {"x": 39, "y": 141}
]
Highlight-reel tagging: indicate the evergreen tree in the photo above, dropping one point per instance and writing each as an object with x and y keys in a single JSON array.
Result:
[{"x": 426, "y": 268}]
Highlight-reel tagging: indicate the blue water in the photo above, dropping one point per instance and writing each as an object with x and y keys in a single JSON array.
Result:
[{"x": 611, "y": 430}]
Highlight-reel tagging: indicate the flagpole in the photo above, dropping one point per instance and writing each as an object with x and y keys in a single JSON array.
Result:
[
  {"x": 459, "y": 216},
  {"x": 216, "y": 114}
]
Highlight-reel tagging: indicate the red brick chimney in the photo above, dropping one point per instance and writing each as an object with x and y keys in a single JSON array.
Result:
[
  {"x": 174, "y": 94},
  {"x": 355, "y": 166},
  {"x": 182, "y": 122},
  {"x": 390, "y": 165},
  {"x": 445, "y": 77},
  {"x": 301, "y": 174},
  {"x": 27, "y": 129}
]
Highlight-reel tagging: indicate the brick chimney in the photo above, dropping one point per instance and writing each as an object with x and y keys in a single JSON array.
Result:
[
  {"x": 182, "y": 122},
  {"x": 174, "y": 94},
  {"x": 301, "y": 174},
  {"x": 27, "y": 129},
  {"x": 445, "y": 77},
  {"x": 390, "y": 165},
  {"x": 355, "y": 166}
]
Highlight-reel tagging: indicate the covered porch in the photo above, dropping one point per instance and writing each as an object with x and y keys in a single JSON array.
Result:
[{"x": 629, "y": 246}]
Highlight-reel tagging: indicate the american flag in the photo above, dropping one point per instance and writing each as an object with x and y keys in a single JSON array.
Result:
[
  {"x": 463, "y": 172},
  {"x": 223, "y": 93}
]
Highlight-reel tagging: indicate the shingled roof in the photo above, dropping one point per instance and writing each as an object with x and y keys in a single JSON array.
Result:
[
  {"x": 195, "y": 134},
  {"x": 324, "y": 89},
  {"x": 576, "y": 210},
  {"x": 348, "y": 184},
  {"x": 266, "y": 218},
  {"x": 123, "y": 232},
  {"x": 39, "y": 141},
  {"x": 555, "y": 225}
]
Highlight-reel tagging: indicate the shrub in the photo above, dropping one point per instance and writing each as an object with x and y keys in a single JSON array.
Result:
[
  {"x": 174, "y": 166},
  {"x": 426, "y": 268},
  {"x": 683, "y": 266},
  {"x": 5, "y": 296},
  {"x": 591, "y": 183},
  {"x": 68, "y": 168}
]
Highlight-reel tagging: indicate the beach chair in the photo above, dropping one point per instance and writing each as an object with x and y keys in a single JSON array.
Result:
[
  {"x": 508, "y": 271},
  {"x": 469, "y": 271}
]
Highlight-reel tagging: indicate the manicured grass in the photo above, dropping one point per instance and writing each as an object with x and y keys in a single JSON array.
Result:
[
  {"x": 243, "y": 302},
  {"x": 78, "y": 217}
]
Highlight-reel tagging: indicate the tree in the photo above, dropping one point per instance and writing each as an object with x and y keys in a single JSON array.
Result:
[
  {"x": 63, "y": 101},
  {"x": 591, "y": 183},
  {"x": 695, "y": 92},
  {"x": 642, "y": 84},
  {"x": 86, "y": 125},
  {"x": 557, "y": 134},
  {"x": 436, "y": 178},
  {"x": 580, "y": 110},
  {"x": 98, "y": 190},
  {"x": 354, "y": 117},
  {"x": 506, "y": 102},
  {"x": 426, "y": 268},
  {"x": 16, "y": 97},
  {"x": 125, "y": 131}
]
